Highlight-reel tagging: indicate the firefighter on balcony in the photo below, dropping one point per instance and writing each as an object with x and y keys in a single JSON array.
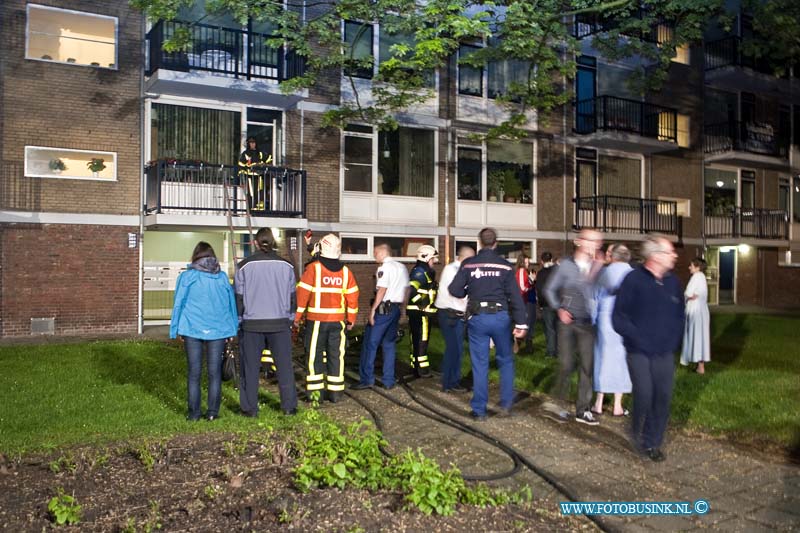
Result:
[
  {"x": 251, "y": 174},
  {"x": 328, "y": 294},
  {"x": 420, "y": 307}
]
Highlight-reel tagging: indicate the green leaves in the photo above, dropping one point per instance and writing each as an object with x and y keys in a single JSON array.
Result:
[{"x": 64, "y": 508}]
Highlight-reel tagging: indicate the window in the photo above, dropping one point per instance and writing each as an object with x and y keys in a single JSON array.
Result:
[
  {"x": 470, "y": 79},
  {"x": 720, "y": 192},
  {"x": 469, "y": 174},
  {"x": 186, "y": 133},
  {"x": 358, "y": 37},
  {"x": 355, "y": 246},
  {"x": 796, "y": 118},
  {"x": 683, "y": 206},
  {"x": 748, "y": 189},
  {"x": 266, "y": 126},
  {"x": 682, "y": 54},
  {"x": 385, "y": 43},
  {"x": 404, "y": 247},
  {"x": 509, "y": 170},
  {"x": 796, "y": 200},
  {"x": 606, "y": 175},
  {"x": 65, "y": 163},
  {"x": 513, "y": 249},
  {"x": 66, "y": 36},
  {"x": 783, "y": 194},
  {"x": 585, "y": 172},
  {"x": 504, "y": 74},
  {"x": 684, "y": 138},
  {"x": 406, "y": 162},
  {"x": 471, "y": 244},
  {"x": 585, "y": 93},
  {"x": 358, "y": 159}
]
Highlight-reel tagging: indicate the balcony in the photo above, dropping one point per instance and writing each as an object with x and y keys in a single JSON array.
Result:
[
  {"x": 176, "y": 192},
  {"x": 746, "y": 144},
  {"x": 620, "y": 214},
  {"x": 728, "y": 67},
  {"x": 747, "y": 222},
  {"x": 221, "y": 63},
  {"x": 588, "y": 24},
  {"x": 627, "y": 125}
]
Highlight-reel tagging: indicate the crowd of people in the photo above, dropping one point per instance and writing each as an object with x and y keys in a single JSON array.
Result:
[{"x": 618, "y": 324}]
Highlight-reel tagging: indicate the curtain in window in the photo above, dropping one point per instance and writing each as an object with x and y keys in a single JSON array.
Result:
[
  {"x": 406, "y": 164},
  {"x": 195, "y": 134},
  {"x": 470, "y": 79},
  {"x": 620, "y": 176},
  {"x": 503, "y": 73}
]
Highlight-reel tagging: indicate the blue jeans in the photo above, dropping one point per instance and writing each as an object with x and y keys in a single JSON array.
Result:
[
  {"x": 383, "y": 334},
  {"x": 480, "y": 329},
  {"x": 194, "y": 359},
  {"x": 453, "y": 332}
]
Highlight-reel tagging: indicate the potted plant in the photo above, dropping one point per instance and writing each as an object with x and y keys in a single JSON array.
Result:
[
  {"x": 511, "y": 186},
  {"x": 57, "y": 166},
  {"x": 495, "y": 183},
  {"x": 96, "y": 165}
]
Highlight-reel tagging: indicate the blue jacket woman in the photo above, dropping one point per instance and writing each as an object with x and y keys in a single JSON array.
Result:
[{"x": 204, "y": 313}]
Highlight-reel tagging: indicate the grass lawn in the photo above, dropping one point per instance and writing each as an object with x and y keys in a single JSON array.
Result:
[
  {"x": 751, "y": 389},
  {"x": 55, "y": 395}
]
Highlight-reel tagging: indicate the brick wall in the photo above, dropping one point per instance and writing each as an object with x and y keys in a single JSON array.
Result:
[
  {"x": 84, "y": 276},
  {"x": 777, "y": 284},
  {"x": 70, "y": 106}
]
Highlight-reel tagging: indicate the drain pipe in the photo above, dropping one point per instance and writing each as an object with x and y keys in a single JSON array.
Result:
[
  {"x": 564, "y": 164},
  {"x": 447, "y": 160},
  {"x": 140, "y": 295}
]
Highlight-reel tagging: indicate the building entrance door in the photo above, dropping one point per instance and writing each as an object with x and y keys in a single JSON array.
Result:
[{"x": 727, "y": 276}]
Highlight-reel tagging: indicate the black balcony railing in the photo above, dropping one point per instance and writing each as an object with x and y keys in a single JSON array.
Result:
[
  {"x": 621, "y": 214},
  {"x": 751, "y": 222},
  {"x": 232, "y": 52},
  {"x": 611, "y": 113},
  {"x": 727, "y": 52},
  {"x": 198, "y": 188},
  {"x": 753, "y": 137},
  {"x": 587, "y": 24}
]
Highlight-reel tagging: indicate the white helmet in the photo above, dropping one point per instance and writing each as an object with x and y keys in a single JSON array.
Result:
[
  {"x": 426, "y": 252},
  {"x": 330, "y": 246}
]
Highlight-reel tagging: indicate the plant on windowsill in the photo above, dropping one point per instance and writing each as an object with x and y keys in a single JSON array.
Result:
[
  {"x": 512, "y": 186},
  {"x": 96, "y": 165},
  {"x": 495, "y": 184},
  {"x": 57, "y": 166}
]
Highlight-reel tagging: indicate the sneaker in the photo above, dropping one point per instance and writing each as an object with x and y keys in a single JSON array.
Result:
[
  {"x": 655, "y": 455},
  {"x": 361, "y": 386},
  {"x": 587, "y": 418},
  {"x": 457, "y": 388},
  {"x": 476, "y": 417}
]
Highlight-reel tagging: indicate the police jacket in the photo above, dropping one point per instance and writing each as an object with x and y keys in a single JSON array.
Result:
[
  {"x": 265, "y": 292},
  {"x": 328, "y": 292},
  {"x": 487, "y": 277},
  {"x": 423, "y": 288}
]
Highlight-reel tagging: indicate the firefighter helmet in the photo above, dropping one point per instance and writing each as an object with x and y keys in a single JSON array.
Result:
[
  {"x": 426, "y": 252},
  {"x": 330, "y": 246}
]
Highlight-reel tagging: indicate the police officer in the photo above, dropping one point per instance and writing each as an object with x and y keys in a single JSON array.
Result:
[
  {"x": 251, "y": 163},
  {"x": 420, "y": 307},
  {"x": 494, "y": 301},
  {"x": 328, "y": 293},
  {"x": 391, "y": 292}
]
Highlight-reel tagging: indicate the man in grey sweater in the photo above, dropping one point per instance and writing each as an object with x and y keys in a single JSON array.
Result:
[{"x": 569, "y": 290}]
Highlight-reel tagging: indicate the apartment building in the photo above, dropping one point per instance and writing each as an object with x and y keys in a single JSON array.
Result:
[{"x": 109, "y": 246}]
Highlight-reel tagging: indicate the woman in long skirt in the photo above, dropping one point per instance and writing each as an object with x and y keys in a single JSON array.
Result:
[{"x": 697, "y": 333}]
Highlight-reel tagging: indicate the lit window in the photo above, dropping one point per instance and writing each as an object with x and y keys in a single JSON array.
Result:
[
  {"x": 682, "y": 54},
  {"x": 683, "y": 131},
  {"x": 66, "y": 36},
  {"x": 64, "y": 163}
]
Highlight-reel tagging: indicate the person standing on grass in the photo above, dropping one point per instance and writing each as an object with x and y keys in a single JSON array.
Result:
[
  {"x": 697, "y": 333},
  {"x": 570, "y": 291},
  {"x": 452, "y": 321},
  {"x": 267, "y": 301},
  {"x": 204, "y": 315},
  {"x": 549, "y": 316},
  {"x": 648, "y": 314},
  {"x": 610, "y": 365},
  {"x": 523, "y": 278}
]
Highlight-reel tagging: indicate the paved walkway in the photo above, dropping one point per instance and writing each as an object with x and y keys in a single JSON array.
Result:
[{"x": 744, "y": 492}]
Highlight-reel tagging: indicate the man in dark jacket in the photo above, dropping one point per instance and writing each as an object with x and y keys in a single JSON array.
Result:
[
  {"x": 420, "y": 307},
  {"x": 251, "y": 168},
  {"x": 266, "y": 300},
  {"x": 494, "y": 301},
  {"x": 649, "y": 314},
  {"x": 548, "y": 313}
]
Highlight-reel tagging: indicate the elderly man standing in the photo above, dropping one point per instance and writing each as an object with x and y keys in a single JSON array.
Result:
[
  {"x": 649, "y": 314},
  {"x": 570, "y": 291}
]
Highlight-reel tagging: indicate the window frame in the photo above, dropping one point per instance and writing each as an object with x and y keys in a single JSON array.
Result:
[
  {"x": 30, "y": 148},
  {"x": 369, "y": 256},
  {"x": 30, "y": 7}
]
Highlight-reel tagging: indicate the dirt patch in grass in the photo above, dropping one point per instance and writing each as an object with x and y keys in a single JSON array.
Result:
[{"x": 217, "y": 482}]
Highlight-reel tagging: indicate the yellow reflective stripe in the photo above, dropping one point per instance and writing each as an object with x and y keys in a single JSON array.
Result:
[
  {"x": 335, "y": 379},
  {"x": 312, "y": 348},
  {"x": 351, "y": 290},
  {"x": 335, "y": 388},
  {"x": 412, "y": 307},
  {"x": 414, "y": 284},
  {"x": 301, "y": 310},
  {"x": 315, "y": 386},
  {"x": 305, "y": 285},
  {"x": 417, "y": 297},
  {"x": 315, "y": 377},
  {"x": 327, "y": 289},
  {"x": 342, "y": 340},
  {"x": 424, "y": 328},
  {"x": 327, "y": 310},
  {"x": 317, "y": 282},
  {"x": 423, "y": 364},
  {"x": 351, "y": 310}
]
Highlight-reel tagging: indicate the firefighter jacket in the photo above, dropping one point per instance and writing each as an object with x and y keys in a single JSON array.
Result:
[
  {"x": 328, "y": 292},
  {"x": 423, "y": 288},
  {"x": 249, "y": 159}
]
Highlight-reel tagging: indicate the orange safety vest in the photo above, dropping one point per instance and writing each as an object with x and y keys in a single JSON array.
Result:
[{"x": 327, "y": 296}]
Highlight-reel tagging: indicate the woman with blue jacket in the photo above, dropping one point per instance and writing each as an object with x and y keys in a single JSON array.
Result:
[{"x": 204, "y": 313}]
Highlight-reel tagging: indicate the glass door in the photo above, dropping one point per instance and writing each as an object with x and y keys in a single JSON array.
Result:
[{"x": 712, "y": 275}]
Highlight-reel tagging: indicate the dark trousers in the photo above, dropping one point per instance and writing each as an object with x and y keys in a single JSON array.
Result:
[
  {"x": 383, "y": 334},
  {"x": 550, "y": 320},
  {"x": 576, "y": 338},
  {"x": 419, "y": 324},
  {"x": 280, "y": 343},
  {"x": 652, "y": 377},
  {"x": 194, "y": 360},
  {"x": 452, "y": 327},
  {"x": 325, "y": 356},
  {"x": 530, "y": 308},
  {"x": 481, "y": 328}
]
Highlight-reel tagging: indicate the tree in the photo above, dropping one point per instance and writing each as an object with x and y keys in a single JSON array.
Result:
[{"x": 536, "y": 35}]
